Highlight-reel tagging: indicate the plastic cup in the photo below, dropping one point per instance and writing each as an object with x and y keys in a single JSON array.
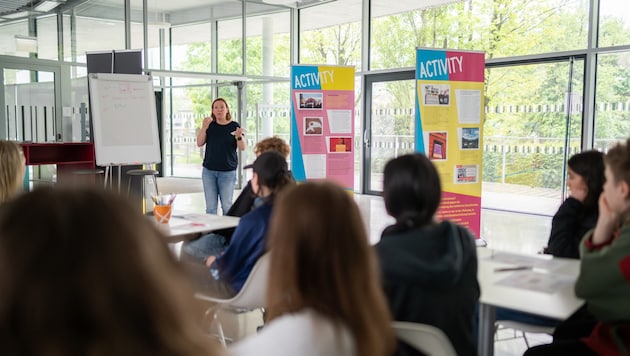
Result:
[{"x": 162, "y": 213}]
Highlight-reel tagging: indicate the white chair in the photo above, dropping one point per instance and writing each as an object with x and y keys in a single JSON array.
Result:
[
  {"x": 523, "y": 328},
  {"x": 250, "y": 297},
  {"x": 425, "y": 338}
]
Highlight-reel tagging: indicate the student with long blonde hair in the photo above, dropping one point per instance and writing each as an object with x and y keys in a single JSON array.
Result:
[
  {"x": 323, "y": 293},
  {"x": 11, "y": 169}
]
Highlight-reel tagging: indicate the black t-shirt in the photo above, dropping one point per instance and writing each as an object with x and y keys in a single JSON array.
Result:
[{"x": 221, "y": 147}]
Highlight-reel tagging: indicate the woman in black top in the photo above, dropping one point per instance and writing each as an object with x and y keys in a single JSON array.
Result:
[{"x": 578, "y": 213}]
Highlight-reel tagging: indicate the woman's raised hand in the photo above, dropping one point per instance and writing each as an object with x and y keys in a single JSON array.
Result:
[{"x": 206, "y": 122}]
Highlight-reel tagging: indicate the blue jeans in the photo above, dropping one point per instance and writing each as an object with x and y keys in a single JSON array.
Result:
[
  {"x": 218, "y": 184},
  {"x": 206, "y": 245}
]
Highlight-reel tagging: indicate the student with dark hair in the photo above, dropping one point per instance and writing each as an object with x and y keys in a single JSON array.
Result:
[
  {"x": 604, "y": 280},
  {"x": 323, "y": 294},
  {"x": 230, "y": 269},
  {"x": 83, "y": 273},
  {"x": 215, "y": 242},
  {"x": 429, "y": 268},
  {"x": 578, "y": 213}
]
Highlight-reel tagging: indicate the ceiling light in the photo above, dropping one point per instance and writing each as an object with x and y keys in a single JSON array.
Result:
[
  {"x": 26, "y": 44},
  {"x": 280, "y": 2},
  {"x": 46, "y": 5},
  {"x": 16, "y": 15}
]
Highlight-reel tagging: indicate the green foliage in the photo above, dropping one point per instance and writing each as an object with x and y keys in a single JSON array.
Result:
[
  {"x": 520, "y": 97},
  {"x": 337, "y": 45}
]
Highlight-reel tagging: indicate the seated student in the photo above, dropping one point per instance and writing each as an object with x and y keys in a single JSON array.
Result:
[
  {"x": 83, "y": 273},
  {"x": 578, "y": 213},
  {"x": 215, "y": 242},
  {"x": 429, "y": 268},
  {"x": 11, "y": 170},
  {"x": 323, "y": 293},
  {"x": 604, "y": 280},
  {"x": 230, "y": 269},
  {"x": 576, "y": 216}
]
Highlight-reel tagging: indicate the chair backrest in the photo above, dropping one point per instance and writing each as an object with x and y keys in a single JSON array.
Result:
[
  {"x": 254, "y": 291},
  {"x": 425, "y": 338}
]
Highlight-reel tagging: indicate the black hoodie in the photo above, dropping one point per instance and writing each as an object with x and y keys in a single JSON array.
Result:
[{"x": 430, "y": 277}]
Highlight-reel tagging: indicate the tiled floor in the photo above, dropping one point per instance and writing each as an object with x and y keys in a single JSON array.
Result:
[{"x": 523, "y": 233}]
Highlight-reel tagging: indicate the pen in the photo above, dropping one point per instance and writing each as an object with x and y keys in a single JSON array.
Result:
[{"x": 508, "y": 269}]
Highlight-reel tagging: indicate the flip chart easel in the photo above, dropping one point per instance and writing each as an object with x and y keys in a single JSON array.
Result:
[{"x": 124, "y": 120}]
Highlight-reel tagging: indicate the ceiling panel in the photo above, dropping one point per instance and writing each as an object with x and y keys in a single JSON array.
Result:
[{"x": 7, "y": 6}]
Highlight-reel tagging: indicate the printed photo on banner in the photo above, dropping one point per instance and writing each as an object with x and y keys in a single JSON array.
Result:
[
  {"x": 310, "y": 101},
  {"x": 466, "y": 173},
  {"x": 469, "y": 138},
  {"x": 313, "y": 126},
  {"x": 339, "y": 144},
  {"x": 436, "y": 94},
  {"x": 436, "y": 149}
]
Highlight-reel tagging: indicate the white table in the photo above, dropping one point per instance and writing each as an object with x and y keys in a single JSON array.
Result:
[
  {"x": 559, "y": 304},
  {"x": 187, "y": 226}
]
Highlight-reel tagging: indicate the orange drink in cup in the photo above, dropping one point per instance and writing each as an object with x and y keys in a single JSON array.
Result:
[{"x": 162, "y": 213}]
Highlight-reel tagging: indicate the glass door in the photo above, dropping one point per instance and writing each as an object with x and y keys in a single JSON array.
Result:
[
  {"x": 533, "y": 125},
  {"x": 29, "y": 113},
  {"x": 389, "y": 124},
  {"x": 29, "y": 105}
]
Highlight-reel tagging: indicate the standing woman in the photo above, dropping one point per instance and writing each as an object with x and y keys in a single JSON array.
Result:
[
  {"x": 222, "y": 137},
  {"x": 11, "y": 169}
]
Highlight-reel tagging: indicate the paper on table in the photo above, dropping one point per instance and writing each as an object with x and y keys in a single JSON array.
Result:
[
  {"x": 522, "y": 260},
  {"x": 534, "y": 281}
]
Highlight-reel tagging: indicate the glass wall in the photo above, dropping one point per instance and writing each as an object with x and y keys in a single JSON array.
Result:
[
  {"x": 267, "y": 44},
  {"x": 533, "y": 124},
  {"x": 190, "y": 48},
  {"x": 614, "y": 23},
  {"x": 501, "y": 28},
  {"x": 331, "y": 34},
  {"x": 96, "y": 25},
  {"x": 10, "y": 34},
  {"x": 612, "y": 103},
  {"x": 180, "y": 38},
  {"x": 230, "y": 42}
]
